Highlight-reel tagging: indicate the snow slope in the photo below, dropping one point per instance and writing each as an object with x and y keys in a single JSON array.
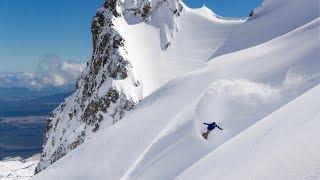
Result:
[
  {"x": 271, "y": 20},
  {"x": 237, "y": 101},
  {"x": 161, "y": 138},
  {"x": 18, "y": 168},
  {"x": 284, "y": 145}
]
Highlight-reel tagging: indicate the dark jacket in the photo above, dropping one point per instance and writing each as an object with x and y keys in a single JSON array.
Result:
[{"x": 212, "y": 126}]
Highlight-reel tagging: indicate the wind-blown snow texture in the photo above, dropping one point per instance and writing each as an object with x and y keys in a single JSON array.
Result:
[
  {"x": 157, "y": 52},
  {"x": 281, "y": 146}
]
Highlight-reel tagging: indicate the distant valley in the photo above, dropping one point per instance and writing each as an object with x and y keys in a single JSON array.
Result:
[
  {"x": 23, "y": 114},
  {"x": 19, "y": 102}
]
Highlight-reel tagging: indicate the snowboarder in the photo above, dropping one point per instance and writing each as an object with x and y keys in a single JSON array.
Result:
[{"x": 210, "y": 127}]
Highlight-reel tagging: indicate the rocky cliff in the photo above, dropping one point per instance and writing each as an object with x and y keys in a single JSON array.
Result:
[{"x": 107, "y": 88}]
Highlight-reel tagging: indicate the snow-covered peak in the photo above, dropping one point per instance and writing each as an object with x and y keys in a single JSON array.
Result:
[
  {"x": 162, "y": 14},
  {"x": 172, "y": 90}
]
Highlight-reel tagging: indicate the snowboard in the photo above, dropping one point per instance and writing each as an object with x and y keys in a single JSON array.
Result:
[{"x": 205, "y": 135}]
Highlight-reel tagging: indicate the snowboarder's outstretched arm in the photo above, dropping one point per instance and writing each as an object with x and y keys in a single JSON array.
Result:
[
  {"x": 206, "y": 124},
  {"x": 219, "y": 127}
]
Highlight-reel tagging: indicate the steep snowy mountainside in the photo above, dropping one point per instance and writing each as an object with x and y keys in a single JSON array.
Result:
[
  {"x": 283, "y": 145},
  {"x": 161, "y": 138},
  {"x": 271, "y": 20},
  {"x": 235, "y": 100},
  {"x": 137, "y": 47},
  {"x": 200, "y": 33}
]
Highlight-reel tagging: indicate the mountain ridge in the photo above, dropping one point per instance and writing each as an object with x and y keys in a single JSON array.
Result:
[{"x": 164, "y": 67}]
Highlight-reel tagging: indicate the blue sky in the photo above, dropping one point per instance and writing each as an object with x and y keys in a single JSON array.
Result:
[{"x": 31, "y": 29}]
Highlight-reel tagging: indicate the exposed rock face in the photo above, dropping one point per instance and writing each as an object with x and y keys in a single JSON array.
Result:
[{"x": 97, "y": 99}]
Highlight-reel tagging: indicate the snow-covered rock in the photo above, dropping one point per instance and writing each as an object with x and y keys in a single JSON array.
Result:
[
  {"x": 162, "y": 14},
  {"x": 18, "y": 168},
  {"x": 252, "y": 75},
  {"x": 96, "y": 99}
]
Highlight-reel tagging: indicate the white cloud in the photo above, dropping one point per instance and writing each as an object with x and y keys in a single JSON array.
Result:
[{"x": 51, "y": 71}]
